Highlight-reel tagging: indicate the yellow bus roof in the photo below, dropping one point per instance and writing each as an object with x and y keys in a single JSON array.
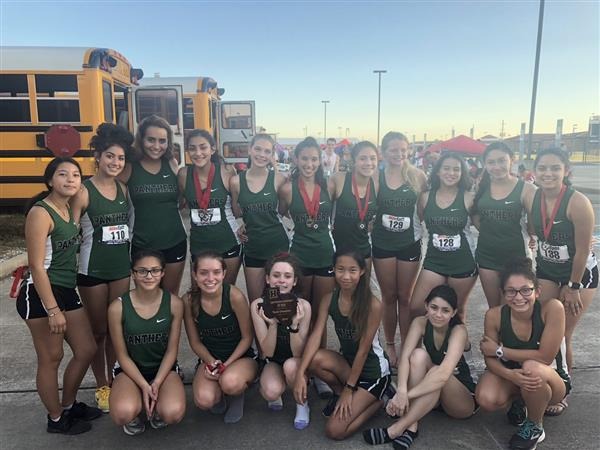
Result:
[{"x": 191, "y": 85}]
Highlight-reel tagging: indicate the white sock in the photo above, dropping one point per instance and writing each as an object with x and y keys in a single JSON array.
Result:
[
  {"x": 302, "y": 418},
  {"x": 322, "y": 387},
  {"x": 66, "y": 408},
  {"x": 276, "y": 404}
]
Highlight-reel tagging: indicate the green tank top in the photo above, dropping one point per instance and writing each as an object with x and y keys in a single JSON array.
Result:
[
  {"x": 60, "y": 260},
  {"x": 157, "y": 222},
  {"x": 348, "y": 230},
  {"x": 146, "y": 339},
  {"x": 214, "y": 228},
  {"x": 265, "y": 231},
  {"x": 554, "y": 259},
  {"x": 220, "y": 333},
  {"x": 449, "y": 248},
  {"x": 397, "y": 225},
  {"x": 312, "y": 246},
  {"x": 500, "y": 230},
  {"x": 461, "y": 371},
  {"x": 509, "y": 339},
  {"x": 376, "y": 364},
  {"x": 104, "y": 251},
  {"x": 283, "y": 349}
]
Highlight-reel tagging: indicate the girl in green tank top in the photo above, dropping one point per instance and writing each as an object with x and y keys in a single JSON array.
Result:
[
  {"x": 498, "y": 211},
  {"x": 307, "y": 200},
  {"x": 205, "y": 187},
  {"x": 397, "y": 236},
  {"x": 281, "y": 345},
  {"x": 48, "y": 301},
  {"x": 355, "y": 195},
  {"x": 360, "y": 375},
  {"x": 445, "y": 210},
  {"x": 254, "y": 199},
  {"x": 219, "y": 330},
  {"x": 145, "y": 325},
  {"x": 563, "y": 222},
  {"x": 152, "y": 184},
  {"x": 102, "y": 208},
  {"x": 520, "y": 339},
  {"x": 435, "y": 342}
]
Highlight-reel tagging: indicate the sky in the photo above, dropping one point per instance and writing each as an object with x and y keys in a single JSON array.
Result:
[{"x": 449, "y": 64}]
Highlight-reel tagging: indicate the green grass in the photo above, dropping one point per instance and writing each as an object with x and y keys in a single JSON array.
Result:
[{"x": 12, "y": 234}]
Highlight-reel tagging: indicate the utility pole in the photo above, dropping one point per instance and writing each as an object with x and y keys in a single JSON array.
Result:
[
  {"x": 324, "y": 120},
  {"x": 536, "y": 70},
  {"x": 379, "y": 72}
]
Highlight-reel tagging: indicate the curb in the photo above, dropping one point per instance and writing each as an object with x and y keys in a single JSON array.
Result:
[{"x": 8, "y": 266}]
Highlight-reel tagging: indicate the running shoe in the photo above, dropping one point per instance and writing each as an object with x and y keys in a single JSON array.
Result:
[
  {"x": 102, "y": 395},
  {"x": 80, "y": 410},
  {"x": 530, "y": 434},
  {"x": 135, "y": 427},
  {"x": 275, "y": 405},
  {"x": 517, "y": 413},
  {"x": 156, "y": 422},
  {"x": 67, "y": 424}
]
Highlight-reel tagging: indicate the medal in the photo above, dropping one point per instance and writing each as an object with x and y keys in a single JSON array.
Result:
[
  {"x": 361, "y": 225},
  {"x": 363, "y": 206},
  {"x": 547, "y": 222},
  {"x": 310, "y": 205},
  {"x": 315, "y": 226},
  {"x": 203, "y": 196}
]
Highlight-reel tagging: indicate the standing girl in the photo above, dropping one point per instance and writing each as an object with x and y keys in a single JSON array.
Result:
[
  {"x": 355, "y": 194},
  {"x": 49, "y": 303},
  {"x": 219, "y": 330},
  {"x": 523, "y": 346},
  {"x": 308, "y": 201},
  {"x": 361, "y": 373},
  {"x": 153, "y": 190},
  {"x": 397, "y": 236},
  {"x": 145, "y": 325},
  {"x": 254, "y": 198},
  {"x": 211, "y": 218},
  {"x": 563, "y": 221},
  {"x": 430, "y": 374},
  {"x": 102, "y": 208},
  {"x": 445, "y": 210},
  {"x": 498, "y": 212},
  {"x": 281, "y": 346}
]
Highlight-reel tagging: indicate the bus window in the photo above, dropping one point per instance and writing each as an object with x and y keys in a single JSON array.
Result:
[
  {"x": 57, "y": 98},
  {"x": 163, "y": 103},
  {"x": 236, "y": 115},
  {"x": 188, "y": 113},
  {"x": 107, "y": 101},
  {"x": 14, "y": 99}
]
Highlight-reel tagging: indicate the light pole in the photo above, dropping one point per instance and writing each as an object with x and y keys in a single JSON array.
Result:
[
  {"x": 536, "y": 70},
  {"x": 324, "y": 120},
  {"x": 379, "y": 72}
]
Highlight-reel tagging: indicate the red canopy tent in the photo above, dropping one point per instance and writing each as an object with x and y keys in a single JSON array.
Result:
[{"x": 459, "y": 144}]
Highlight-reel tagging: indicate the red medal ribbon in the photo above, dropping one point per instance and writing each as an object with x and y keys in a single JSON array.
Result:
[
  {"x": 362, "y": 209},
  {"x": 311, "y": 205},
  {"x": 203, "y": 197},
  {"x": 547, "y": 222}
]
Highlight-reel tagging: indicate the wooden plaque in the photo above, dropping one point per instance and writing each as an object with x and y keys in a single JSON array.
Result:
[{"x": 280, "y": 306}]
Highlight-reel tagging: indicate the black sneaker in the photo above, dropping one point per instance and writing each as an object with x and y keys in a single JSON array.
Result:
[
  {"x": 80, "y": 410},
  {"x": 328, "y": 410},
  {"x": 528, "y": 437},
  {"x": 67, "y": 424},
  {"x": 517, "y": 413}
]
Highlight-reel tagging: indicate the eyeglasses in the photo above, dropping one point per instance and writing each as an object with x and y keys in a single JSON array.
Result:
[
  {"x": 143, "y": 272},
  {"x": 512, "y": 293}
]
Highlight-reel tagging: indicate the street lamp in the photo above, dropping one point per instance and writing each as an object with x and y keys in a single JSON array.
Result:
[
  {"x": 379, "y": 72},
  {"x": 324, "y": 120}
]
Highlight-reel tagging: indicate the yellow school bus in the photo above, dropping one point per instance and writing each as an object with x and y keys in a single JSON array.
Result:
[{"x": 52, "y": 100}]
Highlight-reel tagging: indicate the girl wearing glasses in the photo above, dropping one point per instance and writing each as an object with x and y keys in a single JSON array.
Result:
[
  {"x": 523, "y": 347},
  {"x": 145, "y": 325}
]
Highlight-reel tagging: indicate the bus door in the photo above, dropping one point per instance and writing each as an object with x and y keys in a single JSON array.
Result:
[
  {"x": 236, "y": 124},
  {"x": 166, "y": 102}
]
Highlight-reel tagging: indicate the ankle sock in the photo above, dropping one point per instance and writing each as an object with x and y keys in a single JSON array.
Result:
[
  {"x": 235, "y": 412},
  {"x": 376, "y": 436},
  {"x": 302, "y": 418},
  {"x": 275, "y": 405},
  {"x": 405, "y": 440}
]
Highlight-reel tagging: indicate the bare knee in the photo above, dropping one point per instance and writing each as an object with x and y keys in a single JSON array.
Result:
[
  {"x": 172, "y": 412},
  {"x": 206, "y": 399},
  {"x": 335, "y": 430},
  {"x": 123, "y": 412},
  {"x": 419, "y": 357},
  {"x": 534, "y": 368},
  {"x": 290, "y": 368},
  {"x": 232, "y": 384},
  {"x": 272, "y": 389},
  {"x": 488, "y": 399},
  {"x": 51, "y": 358}
]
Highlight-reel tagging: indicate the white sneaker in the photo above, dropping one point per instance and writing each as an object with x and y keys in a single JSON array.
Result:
[
  {"x": 156, "y": 422},
  {"x": 135, "y": 427}
]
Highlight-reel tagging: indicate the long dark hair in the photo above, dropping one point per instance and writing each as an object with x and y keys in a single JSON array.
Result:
[
  {"x": 518, "y": 266},
  {"x": 560, "y": 154},
  {"x": 485, "y": 182},
  {"x": 109, "y": 134},
  {"x": 148, "y": 253},
  {"x": 195, "y": 293},
  {"x": 152, "y": 121},
  {"x": 434, "y": 179},
  {"x": 362, "y": 295},
  {"x": 309, "y": 142},
  {"x": 215, "y": 158},
  {"x": 447, "y": 294},
  {"x": 48, "y": 174}
]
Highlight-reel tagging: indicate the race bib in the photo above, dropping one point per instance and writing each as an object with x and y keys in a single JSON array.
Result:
[
  {"x": 115, "y": 234},
  {"x": 553, "y": 253},
  {"x": 446, "y": 243},
  {"x": 395, "y": 223},
  {"x": 206, "y": 217}
]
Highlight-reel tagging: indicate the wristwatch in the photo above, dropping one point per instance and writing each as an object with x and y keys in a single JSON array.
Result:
[
  {"x": 574, "y": 285},
  {"x": 500, "y": 352}
]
